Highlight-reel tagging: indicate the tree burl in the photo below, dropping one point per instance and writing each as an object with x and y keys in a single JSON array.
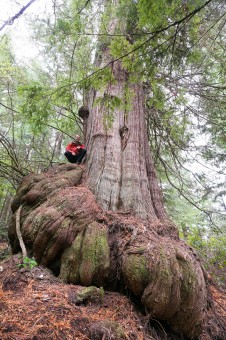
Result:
[{"x": 65, "y": 229}]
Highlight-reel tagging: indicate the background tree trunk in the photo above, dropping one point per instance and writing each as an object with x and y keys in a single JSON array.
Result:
[{"x": 5, "y": 213}]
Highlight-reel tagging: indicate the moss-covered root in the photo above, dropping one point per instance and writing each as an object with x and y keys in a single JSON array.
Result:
[
  {"x": 86, "y": 294},
  {"x": 36, "y": 189},
  {"x": 107, "y": 329},
  {"x": 170, "y": 283},
  {"x": 50, "y": 228},
  {"x": 87, "y": 260}
]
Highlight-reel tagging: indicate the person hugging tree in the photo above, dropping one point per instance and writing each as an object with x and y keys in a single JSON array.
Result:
[{"x": 75, "y": 151}]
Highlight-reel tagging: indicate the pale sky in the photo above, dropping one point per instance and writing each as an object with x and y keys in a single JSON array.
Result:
[{"x": 23, "y": 47}]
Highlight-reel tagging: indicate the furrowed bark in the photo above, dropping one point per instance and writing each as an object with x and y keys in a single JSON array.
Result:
[{"x": 120, "y": 169}]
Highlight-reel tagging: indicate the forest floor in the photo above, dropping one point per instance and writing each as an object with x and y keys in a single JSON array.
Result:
[{"x": 36, "y": 305}]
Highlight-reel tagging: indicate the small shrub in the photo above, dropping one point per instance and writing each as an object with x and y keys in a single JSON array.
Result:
[{"x": 28, "y": 263}]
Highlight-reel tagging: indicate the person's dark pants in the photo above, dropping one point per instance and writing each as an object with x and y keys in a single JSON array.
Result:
[{"x": 75, "y": 158}]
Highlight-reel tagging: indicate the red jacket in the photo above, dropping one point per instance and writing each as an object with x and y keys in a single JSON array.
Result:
[{"x": 72, "y": 147}]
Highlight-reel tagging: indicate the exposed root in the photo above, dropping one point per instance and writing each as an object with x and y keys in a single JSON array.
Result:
[
  {"x": 64, "y": 228},
  {"x": 18, "y": 232}
]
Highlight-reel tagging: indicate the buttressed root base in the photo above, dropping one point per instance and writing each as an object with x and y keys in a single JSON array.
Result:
[{"x": 64, "y": 228}]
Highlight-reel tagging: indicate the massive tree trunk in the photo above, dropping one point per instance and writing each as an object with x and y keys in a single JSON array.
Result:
[
  {"x": 118, "y": 237},
  {"x": 120, "y": 169},
  {"x": 120, "y": 172},
  {"x": 65, "y": 229},
  {"x": 138, "y": 247}
]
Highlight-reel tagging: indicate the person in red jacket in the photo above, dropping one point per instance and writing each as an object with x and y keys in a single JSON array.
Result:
[{"x": 75, "y": 151}]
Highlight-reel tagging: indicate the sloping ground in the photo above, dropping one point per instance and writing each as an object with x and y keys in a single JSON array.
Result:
[
  {"x": 216, "y": 320},
  {"x": 36, "y": 305}
]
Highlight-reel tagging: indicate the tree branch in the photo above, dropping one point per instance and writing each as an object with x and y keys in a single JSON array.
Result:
[
  {"x": 187, "y": 198},
  {"x": 11, "y": 20},
  {"x": 147, "y": 33},
  {"x": 153, "y": 35},
  {"x": 87, "y": 2}
]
